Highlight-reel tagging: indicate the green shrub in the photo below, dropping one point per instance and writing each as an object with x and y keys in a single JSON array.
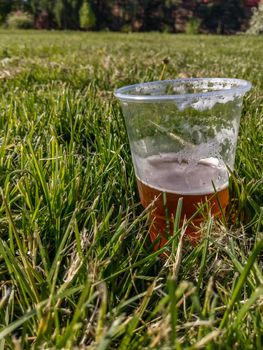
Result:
[
  {"x": 256, "y": 22},
  {"x": 20, "y": 20},
  {"x": 126, "y": 28},
  {"x": 192, "y": 26},
  {"x": 87, "y": 17}
]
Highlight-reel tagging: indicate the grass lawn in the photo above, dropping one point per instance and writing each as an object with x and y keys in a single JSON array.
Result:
[{"x": 74, "y": 269}]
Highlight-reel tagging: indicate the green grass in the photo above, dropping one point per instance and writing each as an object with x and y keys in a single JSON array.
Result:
[{"x": 74, "y": 269}]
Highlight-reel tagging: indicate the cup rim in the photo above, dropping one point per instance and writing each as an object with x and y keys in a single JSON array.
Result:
[{"x": 242, "y": 87}]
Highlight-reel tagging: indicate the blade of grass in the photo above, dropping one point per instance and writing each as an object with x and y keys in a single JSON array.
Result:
[
  {"x": 204, "y": 253},
  {"x": 247, "y": 305},
  {"x": 136, "y": 318},
  {"x": 244, "y": 275},
  {"x": 14, "y": 325}
]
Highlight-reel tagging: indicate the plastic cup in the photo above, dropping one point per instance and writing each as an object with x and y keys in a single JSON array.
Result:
[{"x": 183, "y": 135}]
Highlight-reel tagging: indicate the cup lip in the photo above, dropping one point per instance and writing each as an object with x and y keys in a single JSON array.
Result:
[{"x": 243, "y": 87}]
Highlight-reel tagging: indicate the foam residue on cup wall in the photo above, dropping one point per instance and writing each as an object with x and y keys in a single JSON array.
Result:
[
  {"x": 221, "y": 146},
  {"x": 207, "y": 103}
]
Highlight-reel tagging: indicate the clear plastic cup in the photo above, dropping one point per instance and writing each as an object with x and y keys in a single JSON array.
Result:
[{"x": 183, "y": 135}]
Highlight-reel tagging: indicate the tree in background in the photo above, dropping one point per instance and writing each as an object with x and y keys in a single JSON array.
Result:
[
  {"x": 220, "y": 16},
  {"x": 42, "y": 11},
  {"x": 171, "y": 9},
  {"x": 132, "y": 15},
  {"x": 256, "y": 22},
  {"x": 217, "y": 16},
  {"x": 74, "y": 7},
  {"x": 60, "y": 14},
  {"x": 66, "y": 13},
  {"x": 154, "y": 15},
  {"x": 5, "y": 9},
  {"x": 232, "y": 14},
  {"x": 39, "y": 5},
  {"x": 87, "y": 18}
]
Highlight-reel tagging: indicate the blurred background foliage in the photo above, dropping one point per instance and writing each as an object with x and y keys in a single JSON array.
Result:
[{"x": 201, "y": 16}]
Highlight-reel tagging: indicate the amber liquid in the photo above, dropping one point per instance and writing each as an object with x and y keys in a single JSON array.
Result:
[{"x": 194, "y": 183}]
